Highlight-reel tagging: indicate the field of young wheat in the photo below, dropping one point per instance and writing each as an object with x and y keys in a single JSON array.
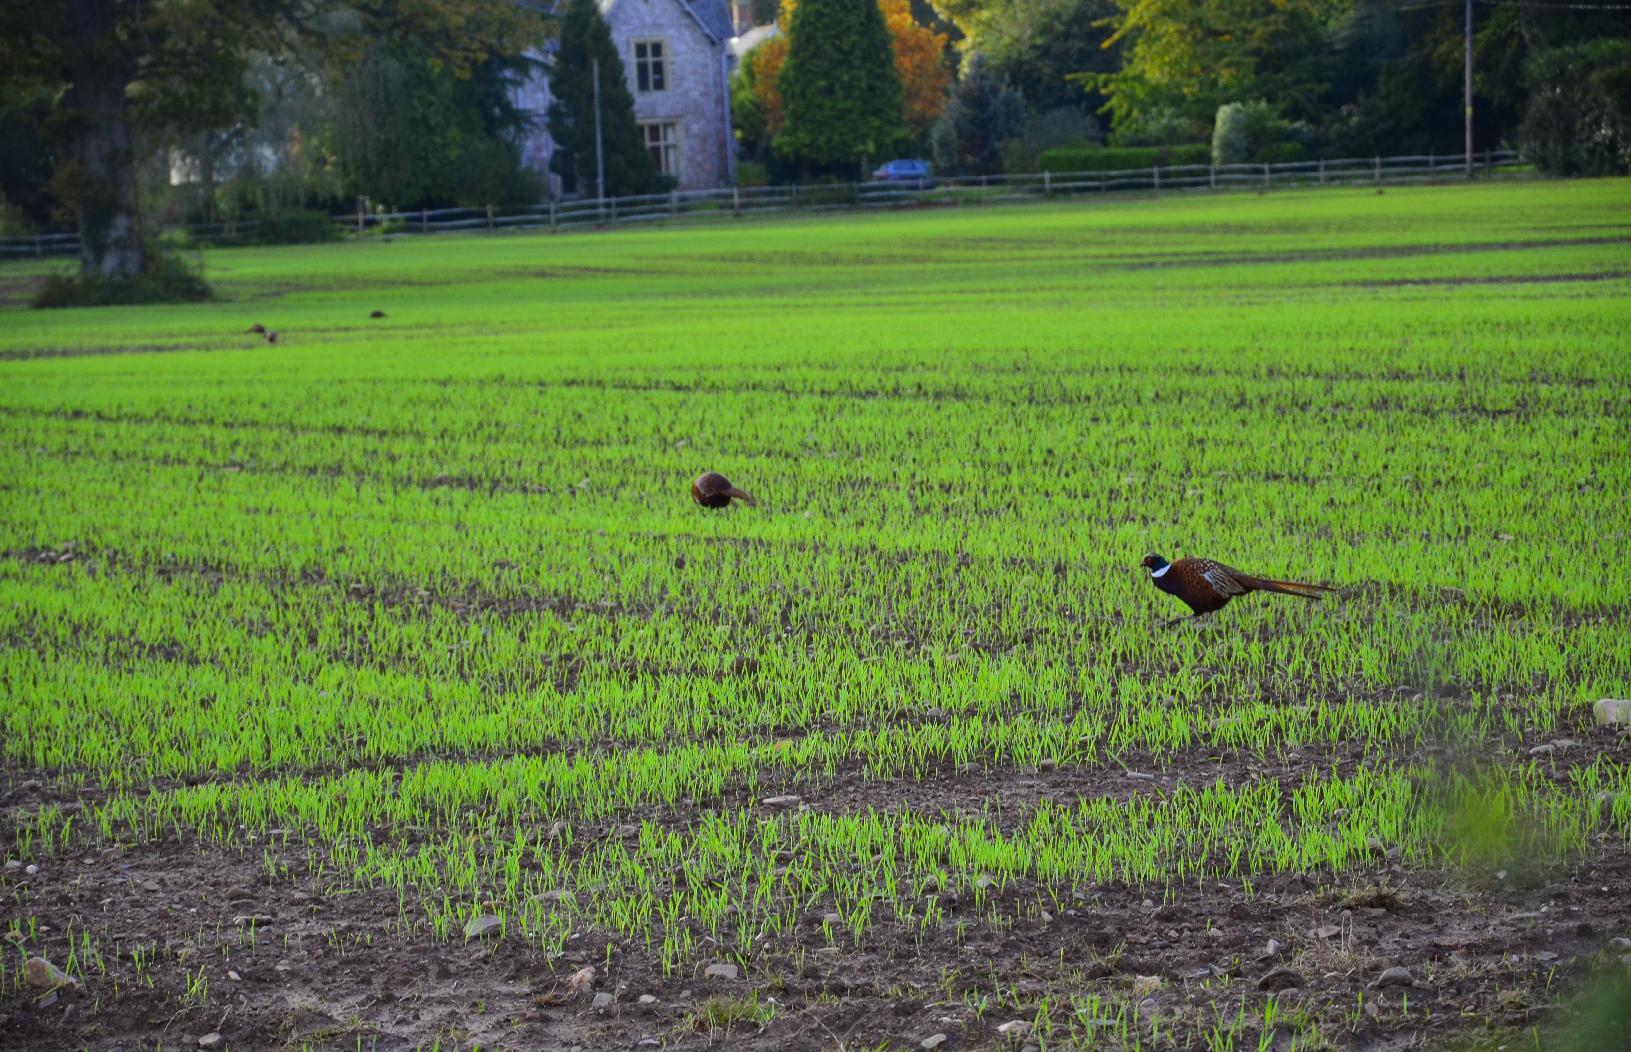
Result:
[{"x": 383, "y": 687}]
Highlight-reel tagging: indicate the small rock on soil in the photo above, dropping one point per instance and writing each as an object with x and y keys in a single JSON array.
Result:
[
  {"x": 1398, "y": 975},
  {"x": 1612, "y": 711},
  {"x": 43, "y": 975}
]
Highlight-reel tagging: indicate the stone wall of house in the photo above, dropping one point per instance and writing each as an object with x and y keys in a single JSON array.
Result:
[
  {"x": 695, "y": 94},
  {"x": 531, "y": 96}
]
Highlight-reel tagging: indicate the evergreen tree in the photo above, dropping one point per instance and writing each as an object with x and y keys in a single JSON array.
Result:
[
  {"x": 840, "y": 90},
  {"x": 983, "y": 112},
  {"x": 629, "y": 166}
]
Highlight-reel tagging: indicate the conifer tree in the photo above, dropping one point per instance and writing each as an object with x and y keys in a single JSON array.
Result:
[
  {"x": 840, "y": 89},
  {"x": 629, "y": 165}
]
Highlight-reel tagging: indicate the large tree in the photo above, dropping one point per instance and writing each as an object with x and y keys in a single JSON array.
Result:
[
  {"x": 585, "y": 40},
  {"x": 1579, "y": 119},
  {"x": 840, "y": 90},
  {"x": 1191, "y": 57},
  {"x": 115, "y": 75},
  {"x": 920, "y": 62},
  {"x": 1036, "y": 45}
]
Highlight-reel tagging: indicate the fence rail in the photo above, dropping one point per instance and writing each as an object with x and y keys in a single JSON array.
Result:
[{"x": 731, "y": 202}]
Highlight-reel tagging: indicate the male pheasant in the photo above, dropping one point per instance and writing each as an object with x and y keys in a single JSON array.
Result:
[
  {"x": 1207, "y": 586},
  {"x": 713, "y": 490}
]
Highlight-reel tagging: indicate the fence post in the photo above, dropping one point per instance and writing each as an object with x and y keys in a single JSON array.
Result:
[
  {"x": 736, "y": 201},
  {"x": 489, "y": 217},
  {"x": 1267, "y": 179},
  {"x": 552, "y": 213},
  {"x": 424, "y": 220},
  {"x": 1047, "y": 183},
  {"x": 359, "y": 221},
  {"x": 613, "y": 202},
  {"x": 1212, "y": 175},
  {"x": 1378, "y": 163},
  {"x": 1322, "y": 171},
  {"x": 1157, "y": 170},
  {"x": 39, "y": 246}
]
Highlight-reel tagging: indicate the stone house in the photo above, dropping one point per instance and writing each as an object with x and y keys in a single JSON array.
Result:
[{"x": 678, "y": 63}]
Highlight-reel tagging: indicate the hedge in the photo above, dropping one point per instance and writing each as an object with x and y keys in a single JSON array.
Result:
[{"x": 1120, "y": 158}]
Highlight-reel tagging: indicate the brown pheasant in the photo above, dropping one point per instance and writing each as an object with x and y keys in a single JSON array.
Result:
[
  {"x": 1207, "y": 586},
  {"x": 713, "y": 490}
]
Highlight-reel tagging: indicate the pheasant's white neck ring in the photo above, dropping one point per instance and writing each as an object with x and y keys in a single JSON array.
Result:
[{"x": 1160, "y": 572}]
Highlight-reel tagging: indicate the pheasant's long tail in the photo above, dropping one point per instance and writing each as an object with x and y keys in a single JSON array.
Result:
[
  {"x": 1307, "y": 591},
  {"x": 742, "y": 495}
]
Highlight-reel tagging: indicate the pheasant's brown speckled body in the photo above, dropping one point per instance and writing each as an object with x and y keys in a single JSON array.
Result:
[
  {"x": 713, "y": 490},
  {"x": 1206, "y": 585}
]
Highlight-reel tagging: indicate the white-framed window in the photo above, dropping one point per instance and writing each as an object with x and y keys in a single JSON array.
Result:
[
  {"x": 650, "y": 65},
  {"x": 663, "y": 140}
]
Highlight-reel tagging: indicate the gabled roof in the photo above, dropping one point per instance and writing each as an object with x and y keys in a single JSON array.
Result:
[{"x": 712, "y": 15}]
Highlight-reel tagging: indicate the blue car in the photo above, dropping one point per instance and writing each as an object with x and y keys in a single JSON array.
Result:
[{"x": 905, "y": 171}]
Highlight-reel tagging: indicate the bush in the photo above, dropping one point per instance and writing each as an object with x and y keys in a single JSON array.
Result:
[
  {"x": 1579, "y": 116},
  {"x": 1062, "y": 126},
  {"x": 1283, "y": 153},
  {"x": 1122, "y": 158},
  {"x": 1231, "y": 142},
  {"x": 295, "y": 228},
  {"x": 166, "y": 280},
  {"x": 1255, "y": 131},
  {"x": 1157, "y": 127},
  {"x": 752, "y": 173}
]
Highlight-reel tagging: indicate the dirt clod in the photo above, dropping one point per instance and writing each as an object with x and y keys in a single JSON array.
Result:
[{"x": 1278, "y": 979}]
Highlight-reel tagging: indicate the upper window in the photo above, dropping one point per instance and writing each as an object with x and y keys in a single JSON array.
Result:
[{"x": 650, "y": 67}]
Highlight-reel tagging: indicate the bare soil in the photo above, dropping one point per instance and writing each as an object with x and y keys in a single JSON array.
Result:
[{"x": 332, "y": 965}]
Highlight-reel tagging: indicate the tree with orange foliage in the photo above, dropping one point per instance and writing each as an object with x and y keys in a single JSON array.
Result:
[
  {"x": 920, "y": 59},
  {"x": 767, "y": 60}
]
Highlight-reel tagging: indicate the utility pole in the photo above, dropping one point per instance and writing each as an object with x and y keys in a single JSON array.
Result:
[
  {"x": 1467, "y": 90},
  {"x": 600, "y": 155}
]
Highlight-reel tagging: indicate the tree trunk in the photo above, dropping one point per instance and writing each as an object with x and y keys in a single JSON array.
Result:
[{"x": 102, "y": 185}]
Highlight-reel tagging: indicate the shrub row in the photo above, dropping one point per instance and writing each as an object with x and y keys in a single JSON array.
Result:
[{"x": 1120, "y": 158}]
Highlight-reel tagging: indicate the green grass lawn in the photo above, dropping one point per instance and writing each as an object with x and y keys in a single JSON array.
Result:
[{"x": 419, "y": 607}]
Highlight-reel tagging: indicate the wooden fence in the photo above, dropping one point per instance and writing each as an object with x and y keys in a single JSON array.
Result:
[{"x": 731, "y": 202}]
